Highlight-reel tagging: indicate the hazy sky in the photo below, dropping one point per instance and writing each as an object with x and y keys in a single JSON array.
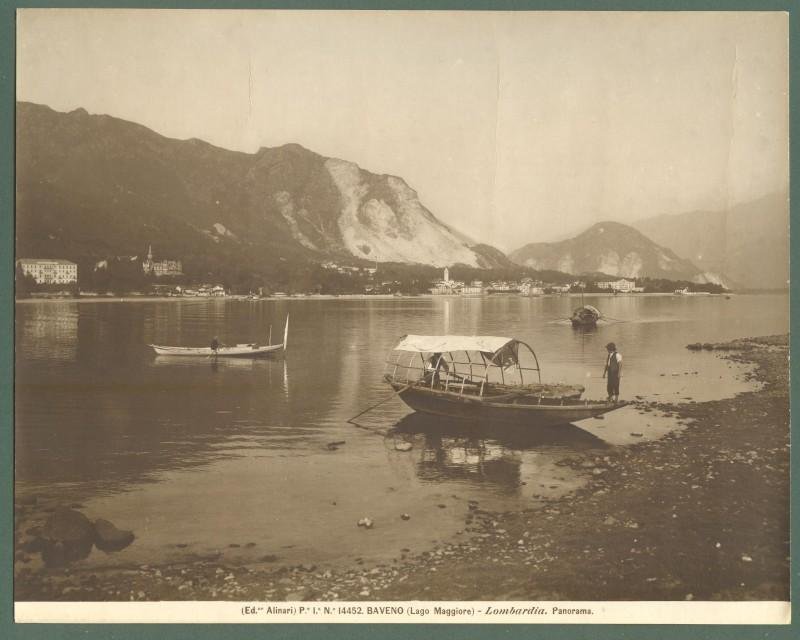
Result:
[{"x": 512, "y": 127}]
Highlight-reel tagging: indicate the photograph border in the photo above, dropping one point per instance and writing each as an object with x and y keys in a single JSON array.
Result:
[{"x": 9, "y": 629}]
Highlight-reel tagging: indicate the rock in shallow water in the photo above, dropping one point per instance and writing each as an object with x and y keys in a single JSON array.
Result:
[
  {"x": 68, "y": 525},
  {"x": 108, "y": 538},
  {"x": 68, "y": 535}
]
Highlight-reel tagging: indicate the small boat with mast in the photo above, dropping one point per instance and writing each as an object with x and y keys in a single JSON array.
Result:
[
  {"x": 242, "y": 350},
  {"x": 482, "y": 378},
  {"x": 585, "y": 316}
]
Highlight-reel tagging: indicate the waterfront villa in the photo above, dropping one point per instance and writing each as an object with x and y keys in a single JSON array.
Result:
[{"x": 49, "y": 270}]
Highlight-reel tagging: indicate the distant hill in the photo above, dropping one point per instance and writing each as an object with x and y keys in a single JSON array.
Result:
[
  {"x": 92, "y": 186},
  {"x": 611, "y": 248},
  {"x": 748, "y": 244}
]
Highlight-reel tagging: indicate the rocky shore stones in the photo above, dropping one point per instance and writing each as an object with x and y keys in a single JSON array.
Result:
[
  {"x": 67, "y": 535},
  {"x": 741, "y": 344},
  {"x": 108, "y": 538}
]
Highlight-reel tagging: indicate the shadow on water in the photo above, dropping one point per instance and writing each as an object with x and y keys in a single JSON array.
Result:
[
  {"x": 584, "y": 329},
  {"x": 501, "y": 455},
  {"x": 509, "y": 435}
]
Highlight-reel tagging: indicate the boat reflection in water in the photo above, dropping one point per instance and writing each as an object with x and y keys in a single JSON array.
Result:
[
  {"x": 506, "y": 456},
  {"x": 584, "y": 328},
  {"x": 240, "y": 364}
]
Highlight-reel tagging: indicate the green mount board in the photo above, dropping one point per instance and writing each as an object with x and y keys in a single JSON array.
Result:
[{"x": 306, "y": 631}]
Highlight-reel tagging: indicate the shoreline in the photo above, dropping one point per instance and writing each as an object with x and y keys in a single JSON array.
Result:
[
  {"x": 366, "y": 296},
  {"x": 701, "y": 514}
]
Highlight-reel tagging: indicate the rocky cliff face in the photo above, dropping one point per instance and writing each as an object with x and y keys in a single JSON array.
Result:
[
  {"x": 612, "y": 248},
  {"x": 95, "y": 185}
]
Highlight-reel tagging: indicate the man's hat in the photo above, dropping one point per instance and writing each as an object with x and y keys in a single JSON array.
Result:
[{"x": 611, "y": 346}]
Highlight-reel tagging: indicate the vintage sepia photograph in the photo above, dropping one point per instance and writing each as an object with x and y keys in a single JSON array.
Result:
[{"x": 401, "y": 316}]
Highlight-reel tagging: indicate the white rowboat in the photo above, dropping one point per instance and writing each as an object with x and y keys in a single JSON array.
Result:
[{"x": 247, "y": 350}]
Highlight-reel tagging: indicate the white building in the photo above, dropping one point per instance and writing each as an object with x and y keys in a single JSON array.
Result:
[
  {"x": 49, "y": 271},
  {"x": 622, "y": 285},
  {"x": 471, "y": 290},
  {"x": 530, "y": 289}
]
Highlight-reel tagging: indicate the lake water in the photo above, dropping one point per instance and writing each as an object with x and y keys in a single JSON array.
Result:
[{"x": 230, "y": 458}]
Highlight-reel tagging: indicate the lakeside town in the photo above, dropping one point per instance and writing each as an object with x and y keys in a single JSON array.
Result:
[{"x": 132, "y": 276}]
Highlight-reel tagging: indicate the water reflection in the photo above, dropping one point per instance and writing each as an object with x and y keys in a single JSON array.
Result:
[
  {"x": 160, "y": 414},
  {"x": 503, "y": 455},
  {"x": 584, "y": 330},
  {"x": 48, "y": 331},
  {"x": 509, "y": 435}
]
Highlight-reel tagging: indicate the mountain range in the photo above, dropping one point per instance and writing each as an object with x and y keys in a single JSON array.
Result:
[
  {"x": 94, "y": 186},
  {"x": 749, "y": 243},
  {"x": 90, "y": 186},
  {"x": 611, "y": 248}
]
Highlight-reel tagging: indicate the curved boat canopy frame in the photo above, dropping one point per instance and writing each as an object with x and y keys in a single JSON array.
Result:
[{"x": 483, "y": 354}]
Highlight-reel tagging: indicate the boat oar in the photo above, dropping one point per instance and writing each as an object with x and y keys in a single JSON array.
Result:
[
  {"x": 387, "y": 398},
  {"x": 604, "y": 317}
]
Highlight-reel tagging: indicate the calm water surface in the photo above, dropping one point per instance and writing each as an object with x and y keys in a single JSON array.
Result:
[{"x": 195, "y": 456}]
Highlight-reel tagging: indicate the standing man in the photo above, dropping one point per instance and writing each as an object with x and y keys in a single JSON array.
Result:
[
  {"x": 614, "y": 370},
  {"x": 215, "y": 345}
]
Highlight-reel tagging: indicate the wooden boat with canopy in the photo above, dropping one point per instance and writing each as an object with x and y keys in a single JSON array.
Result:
[
  {"x": 245, "y": 350},
  {"x": 585, "y": 316},
  {"x": 483, "y": 378}
]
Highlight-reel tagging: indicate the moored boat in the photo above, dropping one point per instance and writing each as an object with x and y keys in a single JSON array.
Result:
[
  {"x": 585, "y": 316},
  {"x": 481, "y": 378},
  {"x": 242, "y": 350},
  {"x": 235, "y": 351}
]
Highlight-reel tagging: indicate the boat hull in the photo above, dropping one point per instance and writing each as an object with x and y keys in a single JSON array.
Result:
[
  {"x": 246, "y": 351},
  {"x": 477, "y": 409}
]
